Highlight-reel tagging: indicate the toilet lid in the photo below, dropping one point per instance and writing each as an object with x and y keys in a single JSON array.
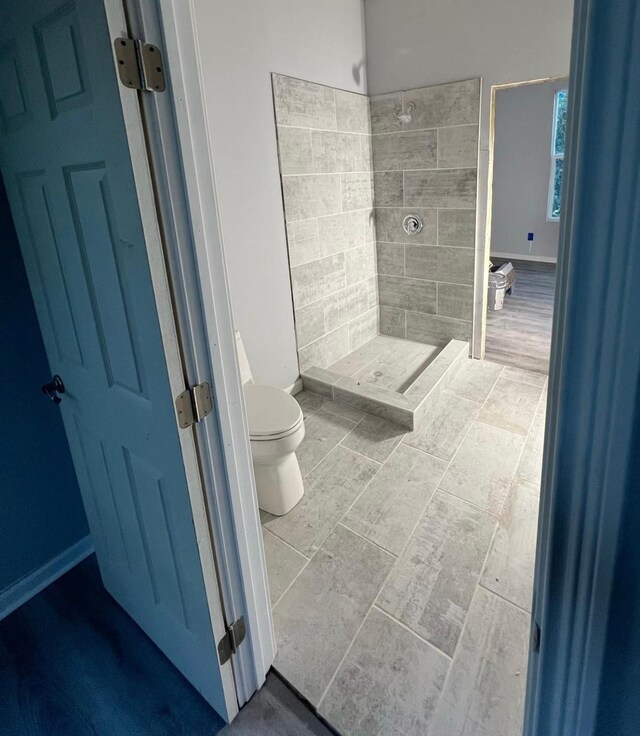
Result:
[{"x": 270, "y": 410}]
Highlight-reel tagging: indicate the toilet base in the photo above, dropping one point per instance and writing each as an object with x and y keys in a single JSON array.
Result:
[{"x": 279, "y": 484}]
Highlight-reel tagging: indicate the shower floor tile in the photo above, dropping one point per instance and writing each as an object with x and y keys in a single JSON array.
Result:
[
  {"x": 392, "y": 601},
  {"x": 386, "y": 361}
]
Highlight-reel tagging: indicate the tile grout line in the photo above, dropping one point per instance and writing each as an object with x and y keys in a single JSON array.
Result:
[
  {"x": 348, "y": 649},
  {"x": 344, "y": 525},
  {"x": 284, "y": 541},
  {"x": 286, "y": 590},
  {"x": 375, "y": 604},
  {"x": 504, "y": 598},
  {"x": 411, "y": 631}
]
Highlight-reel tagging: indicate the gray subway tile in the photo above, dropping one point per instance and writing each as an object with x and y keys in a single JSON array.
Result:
[
  {"x": 510, "y": 564},
  {"x": 367, "y": 153},
  {"x": 342, "y": 231},
  {"x": 437, "y": 263},
  {"x": 318, "y": 617},
  {"x": 374, "y": 437},
  {"x": 390, "y": 259},
  {"x": 363, "y": 328},
  {"x": 369, "y": 225},
  {"x": 311, "y": 196},
  {"x": 330, "y": 489},
  {"x": 457, "y": 103},
  {"x": 283, "y": 564},
  {"x": 303, "y": 243},
  {"x": 320, "y": 380},
  {"x": 405, "y": 293},
  {"x": 530, "y": 465},
  {"x": 346, "y": 304},
  {"x": 357, "y": 191},
  {"x": 389, "y": 683},
  {"x": 485, "y": 689},
  {"x": 458, "y": 147},
  {"x": 303, "y": 104},
  {"x": 325, "y": 350},
  {"x": 310, "y": 323},
  {"x": 323, "y": 431},
  {"x": 474, "y": 379},
  {"x": 389, "y": 225},
  {"x": 392, "y": 322},
  {"x": 294, "y": 149},
  {"x": 316, "y": 279},
  {"x": 387, "y": 510},
  {"x": 352, "y": 112},
  {"x": 457, "y": 227},
  {"x": 440, "y": 188},
  {"x": 483, "y": 467},
  {"x": 444, "y": 426},
  {"x": 336, "y": 152},
  {"x": 309, "y": 402},
  {"x": 452, "y": 536},
  {"x": 360, "y": 263},
  {"x": 436, "y": 330},
  {"x": 384, "y": 112},
  {"x": 455, "y": 300},
  {"x": 511, "y": 405},
  {"x": 404, "y": 151},
  {"x": 388, "y": 189}
]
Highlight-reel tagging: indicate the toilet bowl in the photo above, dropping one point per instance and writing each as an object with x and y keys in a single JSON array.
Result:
[{"x": 276, "y": 429}]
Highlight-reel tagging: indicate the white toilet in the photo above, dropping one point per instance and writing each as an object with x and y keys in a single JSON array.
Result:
[{"x": 276, "y": 429}]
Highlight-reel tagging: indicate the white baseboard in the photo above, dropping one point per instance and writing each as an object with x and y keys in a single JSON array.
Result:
[
  {"x": 30, "y": 585},
  {"x": 524, "y": 257},
  {"x": 295, "y": 388}
]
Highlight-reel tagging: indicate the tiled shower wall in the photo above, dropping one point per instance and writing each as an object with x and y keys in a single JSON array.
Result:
[
  {"x": 329, "y": 143},
  {"x": 324, "y": 145},
  {"x": 428, "y": 167}
]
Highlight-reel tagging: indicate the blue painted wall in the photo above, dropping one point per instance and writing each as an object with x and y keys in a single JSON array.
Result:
[{"x": 41, "y": 512}]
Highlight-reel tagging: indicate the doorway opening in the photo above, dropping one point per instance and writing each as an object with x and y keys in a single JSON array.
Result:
[{"x": 528, "y": 124}]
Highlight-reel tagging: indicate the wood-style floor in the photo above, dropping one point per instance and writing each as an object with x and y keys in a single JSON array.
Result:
[
  {"x": 401, "y": 582},
  {"x": 520, "y": 333},
  {"x": 72, "y": 663}
]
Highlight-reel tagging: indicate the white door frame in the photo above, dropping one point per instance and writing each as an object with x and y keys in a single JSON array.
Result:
[
  {"x": 183, "y": 186},
  {"x": 172, "y": 345}
]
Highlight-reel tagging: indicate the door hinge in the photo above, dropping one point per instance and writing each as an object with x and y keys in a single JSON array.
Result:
[
  {"x": 140, "y": 64},
  {"x": 193, "y": 405},
  {"x": 231, "y": 640}
]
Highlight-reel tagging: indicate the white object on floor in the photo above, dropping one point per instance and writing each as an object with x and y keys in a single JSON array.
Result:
[{"x": 276, "y": 429}]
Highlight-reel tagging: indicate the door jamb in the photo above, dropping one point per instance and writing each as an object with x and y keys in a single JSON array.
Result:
[
  {"x": 483, "y": 248},
  {"x": 177, "y": 141},
  {"x": 140, "y": 164}
]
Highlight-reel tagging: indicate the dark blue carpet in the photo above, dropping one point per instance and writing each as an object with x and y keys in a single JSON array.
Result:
[{"x": 72, "y": 663}]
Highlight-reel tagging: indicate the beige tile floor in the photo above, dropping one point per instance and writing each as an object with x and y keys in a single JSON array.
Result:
[{"x": 401, "y": 583}]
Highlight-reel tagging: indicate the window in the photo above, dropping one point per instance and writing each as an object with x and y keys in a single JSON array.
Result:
[{"x": 557, "y": 154}]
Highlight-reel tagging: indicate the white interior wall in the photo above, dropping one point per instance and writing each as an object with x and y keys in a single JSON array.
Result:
[
  {"x": 521, "y": 171},
  {"x": 413, "y": 43},
  {"x": 240, "y": 44}
]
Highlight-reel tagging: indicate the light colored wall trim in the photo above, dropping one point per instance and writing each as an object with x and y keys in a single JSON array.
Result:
[
  {"x": 185, "y": 186},
  {"x": 523, "y": 257},
  {"x": 22, "y": 591}
]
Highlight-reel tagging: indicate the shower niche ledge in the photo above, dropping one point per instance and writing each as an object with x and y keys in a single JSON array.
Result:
[{"x": 391, "y": 377}]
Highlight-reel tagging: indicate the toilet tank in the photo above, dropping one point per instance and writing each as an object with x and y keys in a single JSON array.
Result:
[{"x": 245, "y": 368}]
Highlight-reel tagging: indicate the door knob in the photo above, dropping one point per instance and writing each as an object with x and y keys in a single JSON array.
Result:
[{"x": 52, "y": 389}]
